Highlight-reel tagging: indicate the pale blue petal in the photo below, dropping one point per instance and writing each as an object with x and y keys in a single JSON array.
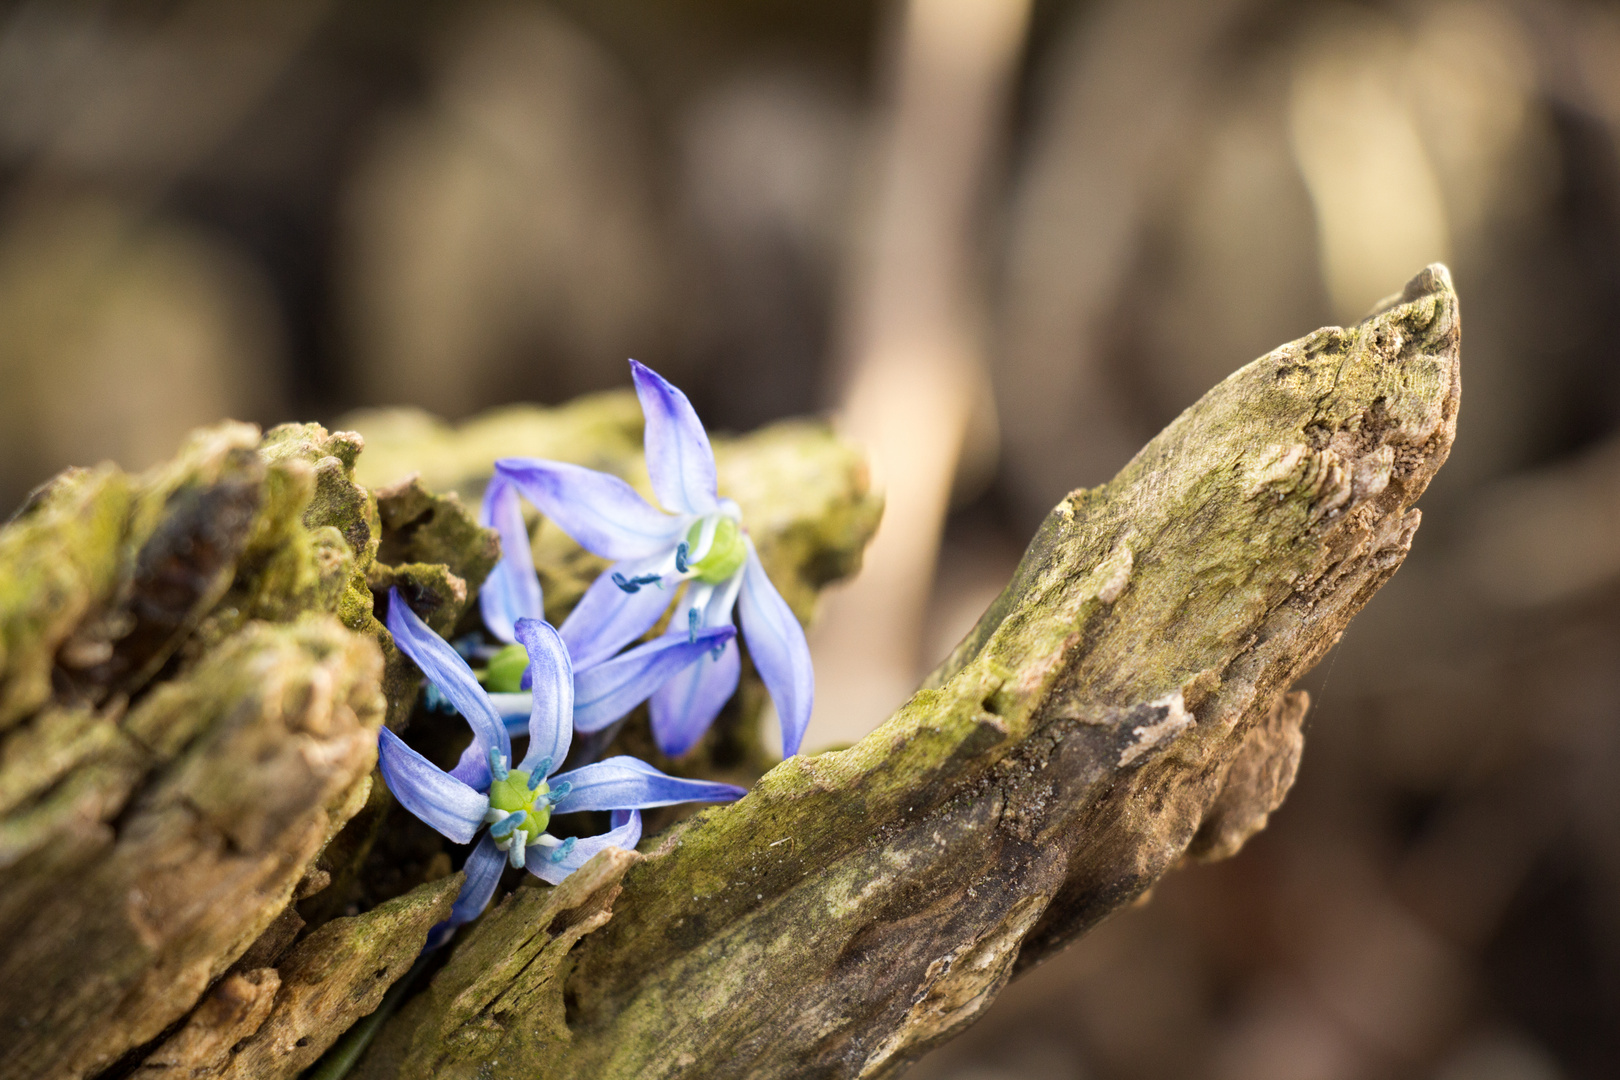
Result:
[
  {"x": 622, "y": 783},
  {"x": 551, "y": 681},
  {"x": 429, "y": 792},
  {"x": 685, "y": 706},
  {"x": 607, "y": 618},
  {"x": 679, "y": 458},
  {"x": 607, "y": 691},
  {"x": 483, "y": 870},
  {"x": 450, "y": 673},
  {"x": 777, "y": 647},
  {"x": 514, "y": 710},
  {"x": 512, "y": 590},
  {"x": 722, "y": 599},
  {"x": 602, "y": 513},
  {"x": 626, "y": 834}
]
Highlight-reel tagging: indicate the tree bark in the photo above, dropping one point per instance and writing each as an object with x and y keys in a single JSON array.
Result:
[
  {"x": 1121, "y": 707},
  {"x": 192, "y": 678}
]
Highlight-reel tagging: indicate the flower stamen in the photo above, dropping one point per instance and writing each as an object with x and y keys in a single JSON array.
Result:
[{"x": 633, "y": 585}]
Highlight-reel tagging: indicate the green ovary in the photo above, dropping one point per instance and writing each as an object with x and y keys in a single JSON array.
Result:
[
  {"x": 504, "y": 675},
  {"x": 725, "y": 555},
  {"x": 513, "y": 795}
]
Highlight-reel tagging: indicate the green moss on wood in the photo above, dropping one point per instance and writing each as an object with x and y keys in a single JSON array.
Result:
[
  {"x": 223, "y": 784},
  {"x": 1116, "y": 703},
  {"x": 191, "y": 677}
]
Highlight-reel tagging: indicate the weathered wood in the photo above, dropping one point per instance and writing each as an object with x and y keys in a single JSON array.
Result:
[
  {"x": 1120, "y": 707},
  {"x": 261, "y": 1023},
  {"x": 191, "y": 681},
  {"x": 191, "y": 677},
  {"x": 510, "y": 1007}
]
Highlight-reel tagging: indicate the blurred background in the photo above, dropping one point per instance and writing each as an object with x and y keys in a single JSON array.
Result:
[{"x": 1001, "y": 242}]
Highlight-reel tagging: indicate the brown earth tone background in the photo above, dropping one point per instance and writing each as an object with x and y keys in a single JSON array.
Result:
[{"x": 1020, "y": 238}]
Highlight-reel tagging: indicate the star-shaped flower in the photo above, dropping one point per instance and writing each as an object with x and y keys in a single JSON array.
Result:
[
  {"x": 699, "y": 541},
  {"x": 517, "y": 801}
]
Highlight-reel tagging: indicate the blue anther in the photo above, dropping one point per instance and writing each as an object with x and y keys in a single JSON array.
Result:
[
  {"x": 692, "y": 625},
  {"x": 632, "y": 585},
  {"x": 560, "y": 792},
  {"x": 562, "y": 850},
  {"x": 497, "y": 764},
  {"x": 516, "y": 854},
  {"x": 503, "y": 828},
  {"x": 681, "y": 555},
  {"x": 714, "y": 653},
  {"x": 538, "y": 776}
]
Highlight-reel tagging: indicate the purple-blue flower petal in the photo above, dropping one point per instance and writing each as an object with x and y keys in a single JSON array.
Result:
[
  {"x": 777, "y": 647},
  {"x": 512, "y": 590},
  {"x": 602, "y": 513},
  {"x": 685, "y": 706},
  {"x": 607, "y": 618},
  {"x": 629, "y": 783},
  {"x": 483, "y": 869},
  {"x": 472, "y": 768},
  {"x": 429, "y": 792},
  {"x": 625, "y": 833},
  {"x": 551, "y": 681},
  {"x": 450, "y": 673},
  {"x": 679, "y": 458},
  {"x": 607, "y": 691}
]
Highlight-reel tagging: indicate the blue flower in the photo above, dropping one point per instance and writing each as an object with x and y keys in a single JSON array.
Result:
[
  {"x": 517, "y": 801},
  {"x": 699, "y": 541}
]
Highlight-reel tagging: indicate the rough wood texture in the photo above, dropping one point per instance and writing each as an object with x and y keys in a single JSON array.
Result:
[
  {"x": 189, "y": 721},
  {"x": 273, "y": 1022},
  {"x": 191, "y": 682},
  {"x": 1120, "y": 707},
  {"x": 488, "y": 1007}
]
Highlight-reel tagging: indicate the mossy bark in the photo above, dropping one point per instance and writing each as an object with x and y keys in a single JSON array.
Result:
[
  {"x": 192, "y": 676},
  {"x": 192, "y": 679},
  {"x": 1123, "y": 706},
  {"x": 193, "y": 856}
]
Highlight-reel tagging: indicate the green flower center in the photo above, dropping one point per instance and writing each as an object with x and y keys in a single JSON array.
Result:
[
  {"x": 725, "y": 555},
  {"x": 504, "y": 674},
  {"x": 513, "y": 796}
]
